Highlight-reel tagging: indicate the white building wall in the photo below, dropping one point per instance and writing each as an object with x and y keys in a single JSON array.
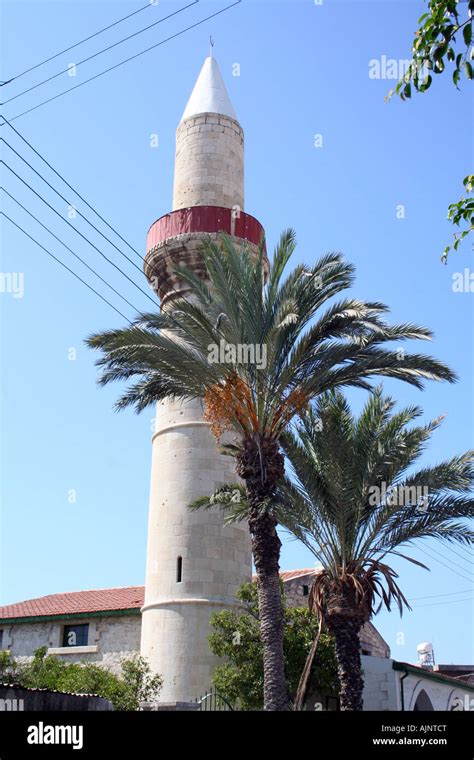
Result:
[{"x": 382, "y": 689}]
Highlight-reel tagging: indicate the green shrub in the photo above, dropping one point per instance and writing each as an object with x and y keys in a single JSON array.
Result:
[{"x": 136, "y": 683}]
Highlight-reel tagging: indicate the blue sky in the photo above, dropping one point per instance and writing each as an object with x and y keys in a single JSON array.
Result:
[{"x": 304, "y": 71}]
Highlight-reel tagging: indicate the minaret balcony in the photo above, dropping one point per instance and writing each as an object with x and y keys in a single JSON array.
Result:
[{"x": 175, "y": 239}]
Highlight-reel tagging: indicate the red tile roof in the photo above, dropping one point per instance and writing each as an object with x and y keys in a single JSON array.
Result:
[
  {"x": 74, "y": 602},
  {"x": 99, "y": 600},
  {"x": 289, "y": 575}
]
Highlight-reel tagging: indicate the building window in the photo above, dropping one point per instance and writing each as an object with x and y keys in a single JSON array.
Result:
[
  {"x": 76, "y": 635},
  {"x": 179, "y": 570},
  {"x": 305, "y": 590},
  {"x": 1, "y": 639}
]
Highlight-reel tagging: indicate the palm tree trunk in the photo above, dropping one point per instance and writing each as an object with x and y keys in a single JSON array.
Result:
[
  {"x": 261, "y": 466},
  {"x": 305, "y": 676},
  {"x": 266, "y": 551},
  {"x": 345, "y": 630}
]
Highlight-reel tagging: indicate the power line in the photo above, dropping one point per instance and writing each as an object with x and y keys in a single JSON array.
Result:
[
  {"x": 70, "y": 204},
  {"x": 92, "y": 209},
  {"x": 80, "y": 233},
  {"x": 95, "y": 55},
  {"x": 83, "y": 236},
  {"x": 468, "y": 556},
  {"x": 64, "y": 265},
  {"x": 127, "y": 60},
  {"x": 70, "y": 186},
  {"x": 437, "y": 604},
  {"x": 456, "y": 564},
  {"x": 71, "y": 47},
  {"x": 180, "y": 326},
  {"x": 444, "y": 565},
  {"x": 76, "y": 192},
  {"x": 135, "y": 327},
  {"x": 85, "y": 201},
  {"x": 449, "y": 593},
  {"x": 91, "y": 269},
  {"x": 465, "y": 558}
]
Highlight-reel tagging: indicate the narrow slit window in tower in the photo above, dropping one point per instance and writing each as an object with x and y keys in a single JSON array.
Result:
[{"x": 179, "y": 570}]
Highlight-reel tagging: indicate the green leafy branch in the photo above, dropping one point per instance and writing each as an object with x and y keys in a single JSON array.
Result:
[
  {"x": 462, "y": 211},
  {"x": 433, "y": 46}
]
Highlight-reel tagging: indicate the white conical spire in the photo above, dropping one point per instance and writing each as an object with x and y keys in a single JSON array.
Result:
[{"x": 209, "y": 94}]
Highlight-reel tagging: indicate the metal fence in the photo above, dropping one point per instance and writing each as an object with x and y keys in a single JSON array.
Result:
[{"x": 212, "y": 700}]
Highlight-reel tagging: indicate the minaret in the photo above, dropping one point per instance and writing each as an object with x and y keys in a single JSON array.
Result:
[{"x": 195, "y": 564}]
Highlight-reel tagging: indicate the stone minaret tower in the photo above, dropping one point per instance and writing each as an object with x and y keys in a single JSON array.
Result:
[{"x": 194, "y": 563}]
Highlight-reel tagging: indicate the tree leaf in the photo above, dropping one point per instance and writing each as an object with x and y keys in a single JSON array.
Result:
[
  {"x": 467, "y": 34},
  {"x": 439, "y": 52},
  {"x": 426, "y": 83}
]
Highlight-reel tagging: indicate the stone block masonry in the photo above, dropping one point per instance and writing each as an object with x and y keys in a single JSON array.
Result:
[{"x": 209, "y": 165}]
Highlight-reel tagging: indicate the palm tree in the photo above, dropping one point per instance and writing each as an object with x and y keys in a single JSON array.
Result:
[
  {"x": 246, "y": 304},
  {"x": 353, "y": 504}
]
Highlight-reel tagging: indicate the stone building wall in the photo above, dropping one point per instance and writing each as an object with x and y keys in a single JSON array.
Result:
[
  {"x": 297, "y": 592},
  {"x": 372, "y": 642},
  {"x": 110, "y": 639}
]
